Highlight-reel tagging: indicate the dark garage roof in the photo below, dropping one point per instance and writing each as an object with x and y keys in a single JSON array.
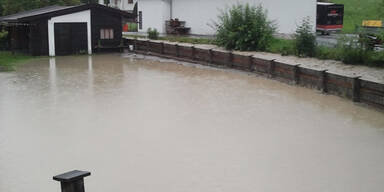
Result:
[
  {"x": 55, "y": 10},
  {"x": 15, "y": 17}
]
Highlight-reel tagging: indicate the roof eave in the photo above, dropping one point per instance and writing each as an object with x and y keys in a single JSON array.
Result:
[{"x": 76, "y": 9}]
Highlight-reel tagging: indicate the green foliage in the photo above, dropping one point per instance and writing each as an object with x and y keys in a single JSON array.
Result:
[
  {"x": 188, "y": 40},
  {"x": 354, "y": 51},
  {"x": 305, "y": 40},
  {"x": 376, "y": 59},
  {"x": 355, "y": 11},
  {"x": 283, "y": 46},
  {"x": 245, "y": 28},
  {"x": 153, "y": 34},
  {"x": 180, "y": 39},
  {"x": 13, "y": 6},
  {"x": 328, "y": 53},
  {"x": 8, "y": 60},
  {"x": 380, "y": 9},
  {"x": 3, "y": 39},
  {"x": 132, "y": 26},
  {"x": 3, "y": 34}
]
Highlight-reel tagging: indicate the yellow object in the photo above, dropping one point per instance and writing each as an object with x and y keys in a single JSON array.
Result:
[{"x": 372, "y": 23}]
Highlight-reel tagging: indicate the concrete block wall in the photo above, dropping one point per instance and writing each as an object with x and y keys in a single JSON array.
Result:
[{"x": 353, "y": 88}]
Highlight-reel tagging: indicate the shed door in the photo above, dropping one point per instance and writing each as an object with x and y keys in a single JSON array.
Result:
[{"x": 71, "y": 38}]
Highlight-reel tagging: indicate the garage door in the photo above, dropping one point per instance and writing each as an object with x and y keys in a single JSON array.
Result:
[{"x": 71, "y": 38}]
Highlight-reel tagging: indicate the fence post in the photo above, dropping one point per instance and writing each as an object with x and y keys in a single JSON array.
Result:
[
  {"x": 296, "y": 74},
  {"x": 271, "y": 68},
  {"x": 323, "y": 81},
  {"x": 230, "y": 60},
  {"x": 356, "y": 85},
  {"x": 135, "y": 44},
  {"x": 72, "y": 181},
  {"x": 148, "y": 47},
  {"x": 162, "y": 48},
  {"x": 177, "y": 50},
  {"x": 193, "y": 52},
  {"x": 210, "y": 56},
  {"x": 251, "y": 66}
]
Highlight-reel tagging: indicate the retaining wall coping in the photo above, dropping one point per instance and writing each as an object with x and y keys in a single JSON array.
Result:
[
  {"x": 247, "y": 54},
  {"x": 221, "y": 50},
  {"x": 371, "y": 80},
  {"x": 204, "y": 47},
  {"x": 343, "y": 75}
]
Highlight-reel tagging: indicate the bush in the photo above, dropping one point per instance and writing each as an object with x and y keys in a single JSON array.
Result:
[
  {"x": 153, "y": 34},
  {"x": 282, "y": 46},
  {"x": 3, "y": 39},
  {"x": 245, "y": 28},
  {"x": 353, "y": 51},
  {"x": 305, "y": 40},
  {"x": 377, "y": 59},
  {"x": 327, "y": 53}
]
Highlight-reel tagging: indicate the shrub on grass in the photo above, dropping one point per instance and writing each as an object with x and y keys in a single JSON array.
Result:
[
  {"x": 153, "y": 34},
  {"x": 245, "y": 28},
  {"x": 353, "y": 51},
  {"x": 305, "y": 40},
  {"x": 3, "y": 39}
]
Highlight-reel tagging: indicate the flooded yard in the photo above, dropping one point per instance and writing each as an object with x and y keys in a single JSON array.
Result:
[{"x": 150, "y": 125}]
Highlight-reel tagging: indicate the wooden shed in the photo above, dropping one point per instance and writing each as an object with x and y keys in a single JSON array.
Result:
[{"x": 60, "y": 30}]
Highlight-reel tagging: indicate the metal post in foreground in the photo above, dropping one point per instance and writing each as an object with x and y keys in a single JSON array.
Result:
[{"x": 72, "y": 181}]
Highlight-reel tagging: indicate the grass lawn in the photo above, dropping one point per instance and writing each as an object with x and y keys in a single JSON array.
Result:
[
  {"x": 8, "y": 60},
  {"x": 180, "y": 39},
  {"x": 358, "y": 10}
]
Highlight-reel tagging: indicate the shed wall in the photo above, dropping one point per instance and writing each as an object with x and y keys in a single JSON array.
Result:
[{"x": 106, "y": 20}]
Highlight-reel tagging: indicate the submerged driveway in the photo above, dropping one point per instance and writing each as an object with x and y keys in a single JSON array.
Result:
[{"x": 150, "y": 125}]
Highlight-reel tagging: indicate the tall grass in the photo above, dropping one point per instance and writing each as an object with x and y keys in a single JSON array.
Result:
[
  {"x": 8, "y": 60},
  {"x": 355, "y": 11}
]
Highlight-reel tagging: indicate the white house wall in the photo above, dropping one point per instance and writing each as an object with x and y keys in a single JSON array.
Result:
[
  {"x": 155, "y": 13},
  {"x": 79, "y": 17},
  {"x": 201, "y": 14}
]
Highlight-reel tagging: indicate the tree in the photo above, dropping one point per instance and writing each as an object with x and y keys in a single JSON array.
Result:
[
  {"x": 89, "y": 1},
  {"x": 13, "y": 6}
]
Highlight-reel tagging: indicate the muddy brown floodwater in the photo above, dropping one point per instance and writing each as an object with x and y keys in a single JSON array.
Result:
[{"x": 149, "y": 125}]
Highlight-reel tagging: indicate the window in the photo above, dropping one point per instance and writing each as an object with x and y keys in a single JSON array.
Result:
[
  {"x": 106, "y": 33},
  {"x": 130, "y": 1}
]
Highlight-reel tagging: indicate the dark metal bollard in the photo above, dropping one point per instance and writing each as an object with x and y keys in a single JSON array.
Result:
[
  {"x": 251, "y": 66},
  {"x": 271, "y": 68},
  {"x": 296, "y": 74},
  {"x": 356, "y": 86},
  {"x": 230, "y": 60},
  {"x": 72, "y": 181},
  {"x": 323, "y": 81}
]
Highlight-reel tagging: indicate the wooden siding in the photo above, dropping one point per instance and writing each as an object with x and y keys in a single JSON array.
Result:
[{"x": 105, "y": 20}]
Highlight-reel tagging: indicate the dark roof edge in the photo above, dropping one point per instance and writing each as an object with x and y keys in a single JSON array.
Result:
[
  {"x": 11, "y": 17},
  {"x": 77, "y": 9}
]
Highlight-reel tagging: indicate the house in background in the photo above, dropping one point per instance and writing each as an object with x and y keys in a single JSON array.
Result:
[
  {"x": 60, "y": 30},
  {"x": 200, "y": 15},
  {"x": 124, "y": 5}
]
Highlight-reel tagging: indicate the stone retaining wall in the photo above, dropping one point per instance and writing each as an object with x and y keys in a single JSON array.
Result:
[{"x": 353, "y": 88}]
